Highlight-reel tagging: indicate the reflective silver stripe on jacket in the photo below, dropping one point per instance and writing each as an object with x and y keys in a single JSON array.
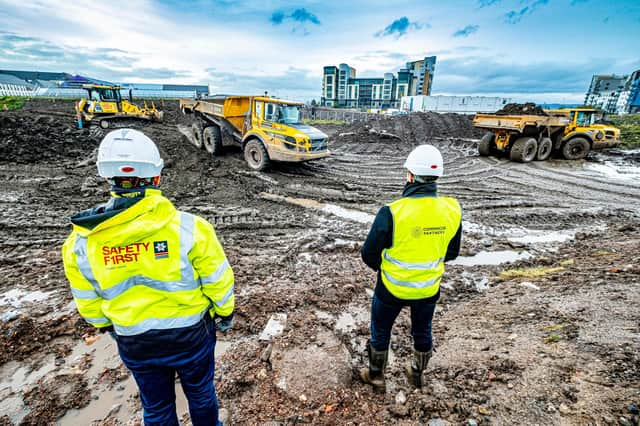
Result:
[
  {"x": 413, "y": 284},
  {"x": 186, "y": 244},
  {"x": 84, "y": 294},
  {"x": 96, "y": 320},
  {"x": 159, "y": 324},
  {"x": 414, "y": 266},
  {"x": 220, "y": 303},
  {"x": 215, "y": 276},
  {"x": 168, "y": 286},
  {"x": 82, "y": 260},
  {"x": 187, "y": 280}
]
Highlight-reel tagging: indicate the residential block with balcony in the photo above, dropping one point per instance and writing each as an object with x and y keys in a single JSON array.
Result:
[{"x": 341, "y": 87}]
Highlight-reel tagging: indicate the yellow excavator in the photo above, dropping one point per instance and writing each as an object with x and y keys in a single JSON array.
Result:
[{"x": 104, "y": 105}]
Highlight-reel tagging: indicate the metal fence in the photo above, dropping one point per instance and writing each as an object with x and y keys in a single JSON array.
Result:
[
  {"x": 335, "y": 114},
  {"x": 54, "y": 92}
]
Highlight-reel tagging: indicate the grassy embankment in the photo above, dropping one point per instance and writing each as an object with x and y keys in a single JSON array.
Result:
[
  {"x": 629, "y": 126},
  {"x": 11, "y": 103}
]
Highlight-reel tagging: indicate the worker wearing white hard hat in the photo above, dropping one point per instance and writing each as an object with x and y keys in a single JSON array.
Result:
[
  {"x": 155, "y": 278},
  {"x": 408, "y": 243}
]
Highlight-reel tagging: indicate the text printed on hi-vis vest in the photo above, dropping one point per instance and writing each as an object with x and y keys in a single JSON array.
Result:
[{"x": 123, "y": 254}]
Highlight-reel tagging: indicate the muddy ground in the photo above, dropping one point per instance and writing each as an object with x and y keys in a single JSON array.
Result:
[{"x": 538, "y": 322}]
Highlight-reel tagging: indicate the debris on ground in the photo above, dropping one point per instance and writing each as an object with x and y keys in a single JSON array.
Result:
[{"x": 540, "y": 346}]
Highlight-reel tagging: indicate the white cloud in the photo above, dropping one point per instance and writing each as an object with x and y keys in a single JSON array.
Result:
[{"x": 175, "y": 41}]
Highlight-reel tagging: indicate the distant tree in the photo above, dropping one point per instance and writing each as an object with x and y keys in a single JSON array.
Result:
[{"x": 313, "y": 102}]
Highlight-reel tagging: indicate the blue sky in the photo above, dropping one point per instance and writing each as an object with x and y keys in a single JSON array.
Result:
[{"x": 539, "y": 50}]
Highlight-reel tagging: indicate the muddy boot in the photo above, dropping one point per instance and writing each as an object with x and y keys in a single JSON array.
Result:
[
  {"x": 415, "y": 367},
  {"x": 224, "y": 417},
  {"x": 374, "y": 375}
]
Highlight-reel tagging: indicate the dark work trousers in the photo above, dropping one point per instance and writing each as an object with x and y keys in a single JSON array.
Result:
[
  {"x": 384, "y": 314},
  {"x": 156, "y": 356}
]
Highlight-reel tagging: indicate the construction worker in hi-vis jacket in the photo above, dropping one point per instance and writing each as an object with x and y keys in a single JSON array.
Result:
[
  {"x": 408, "y": 243},
  {"x": 156, "y": 278}
]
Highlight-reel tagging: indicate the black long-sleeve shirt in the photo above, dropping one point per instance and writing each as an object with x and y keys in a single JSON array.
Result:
[{"x": 381, "y": 237}]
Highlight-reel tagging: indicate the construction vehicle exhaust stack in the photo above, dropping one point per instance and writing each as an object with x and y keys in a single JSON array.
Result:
[
  {"x": 267, "y": 129},
  {"x": 104, "y": 106}
]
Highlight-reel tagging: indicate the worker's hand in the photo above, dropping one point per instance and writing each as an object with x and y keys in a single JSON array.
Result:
[
  {"x": 224, "y": 323},
  {"x": 109, "y": 329}
]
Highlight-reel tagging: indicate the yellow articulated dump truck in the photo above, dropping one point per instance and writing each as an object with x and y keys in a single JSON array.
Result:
[
  {"x": 267, "y": 129},
  {"x": 571, "y": 133},
  {"x": 104, "y": 106}
]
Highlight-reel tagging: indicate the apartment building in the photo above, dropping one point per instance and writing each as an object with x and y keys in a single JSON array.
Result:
[{"x": 341, "y": 87}]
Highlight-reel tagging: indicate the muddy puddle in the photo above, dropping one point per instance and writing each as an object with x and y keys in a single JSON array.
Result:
[
  {"x": 491, "y": 258},
  {"x": 351, "y": 318},
  {"x": 619, "y": 165},
  {"x": 114, "y": 391},
  {"x": 542, "y": 237},
  {"x": 17, "y": 297},
  {"x": 331, "y": 209},
  {"x": 615, "y": 170},
  {"x": 119, "y": 402}
]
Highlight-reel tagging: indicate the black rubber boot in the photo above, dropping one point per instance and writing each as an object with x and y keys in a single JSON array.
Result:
[
  {"x": 374, "y": 375},
  {"x": 415, "y": 367}
]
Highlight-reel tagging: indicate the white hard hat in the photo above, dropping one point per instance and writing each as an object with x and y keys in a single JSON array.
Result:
[
  {"x": 128, "y": 152},
  {"x": 425, "y": 160}
]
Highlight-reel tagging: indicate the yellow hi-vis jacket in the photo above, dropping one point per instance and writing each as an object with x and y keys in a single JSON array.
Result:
[
  {"x": 148, "y": 267},
  {"x": 422, "y": 229}
]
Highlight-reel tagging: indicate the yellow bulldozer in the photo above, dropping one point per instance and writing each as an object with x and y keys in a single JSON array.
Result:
[{"x": 104, "y": 106}]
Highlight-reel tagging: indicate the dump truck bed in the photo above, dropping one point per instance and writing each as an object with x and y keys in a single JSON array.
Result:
[
  {"x": 518, "y": 123},
  {"x": 230, "y": 108}
]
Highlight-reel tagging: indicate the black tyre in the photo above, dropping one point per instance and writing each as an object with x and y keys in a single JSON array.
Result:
[
  {"x": 575, "y": 149},
  {"x": 485, "y": 148},
  {"x": 256, "y": 155},
  {"x": 212, "y": 140},
  {"x": 545, "y": 146},
  {"x": 524, "y": 150},
  {"x": 196, "y": 128}
]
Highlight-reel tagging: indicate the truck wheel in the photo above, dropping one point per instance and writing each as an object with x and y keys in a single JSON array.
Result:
[
  {"x": 524, "y": 150},
  {"x": 212, "y": 140},
  {"x": 486, "y": 145},
  {"x": 256, "y": 155},
  {"x": 197, "y": 134},
  {"x": 575, "y": 149},
  {"x": 544, "y": 149}
]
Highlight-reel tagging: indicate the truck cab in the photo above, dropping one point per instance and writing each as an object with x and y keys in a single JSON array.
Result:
[
  {"x": 279, "y": 123},
  {"x": 588, "y": 123}
]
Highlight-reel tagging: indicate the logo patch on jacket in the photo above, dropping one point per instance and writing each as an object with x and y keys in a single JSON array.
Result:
[{"x": 161, "y": 249}]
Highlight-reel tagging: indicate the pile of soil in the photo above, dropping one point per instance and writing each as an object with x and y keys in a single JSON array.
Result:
[
  {"x": 35, "y": 138},
  {"x": 401, "y": 133},
  {"x": 528, "y": 108}
]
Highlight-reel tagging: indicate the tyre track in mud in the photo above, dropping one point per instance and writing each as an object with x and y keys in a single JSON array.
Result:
[{"x": 290, "y": 258}]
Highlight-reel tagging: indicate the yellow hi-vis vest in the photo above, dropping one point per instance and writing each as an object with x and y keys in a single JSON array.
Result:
[
  {"x": 422, "y": 229},
  {"x": 148, "y": 267}
]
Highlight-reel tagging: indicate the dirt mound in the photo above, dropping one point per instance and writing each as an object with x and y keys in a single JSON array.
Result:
[
  {"x": 401, "y": 133},
  {"x": 30, "y": 137},
  {"x": 515, "y": 109}
]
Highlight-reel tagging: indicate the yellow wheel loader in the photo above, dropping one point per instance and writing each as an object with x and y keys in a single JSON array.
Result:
[
  {"x": 569, "y": 132},
  {"x": 104, "y": 106}
]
